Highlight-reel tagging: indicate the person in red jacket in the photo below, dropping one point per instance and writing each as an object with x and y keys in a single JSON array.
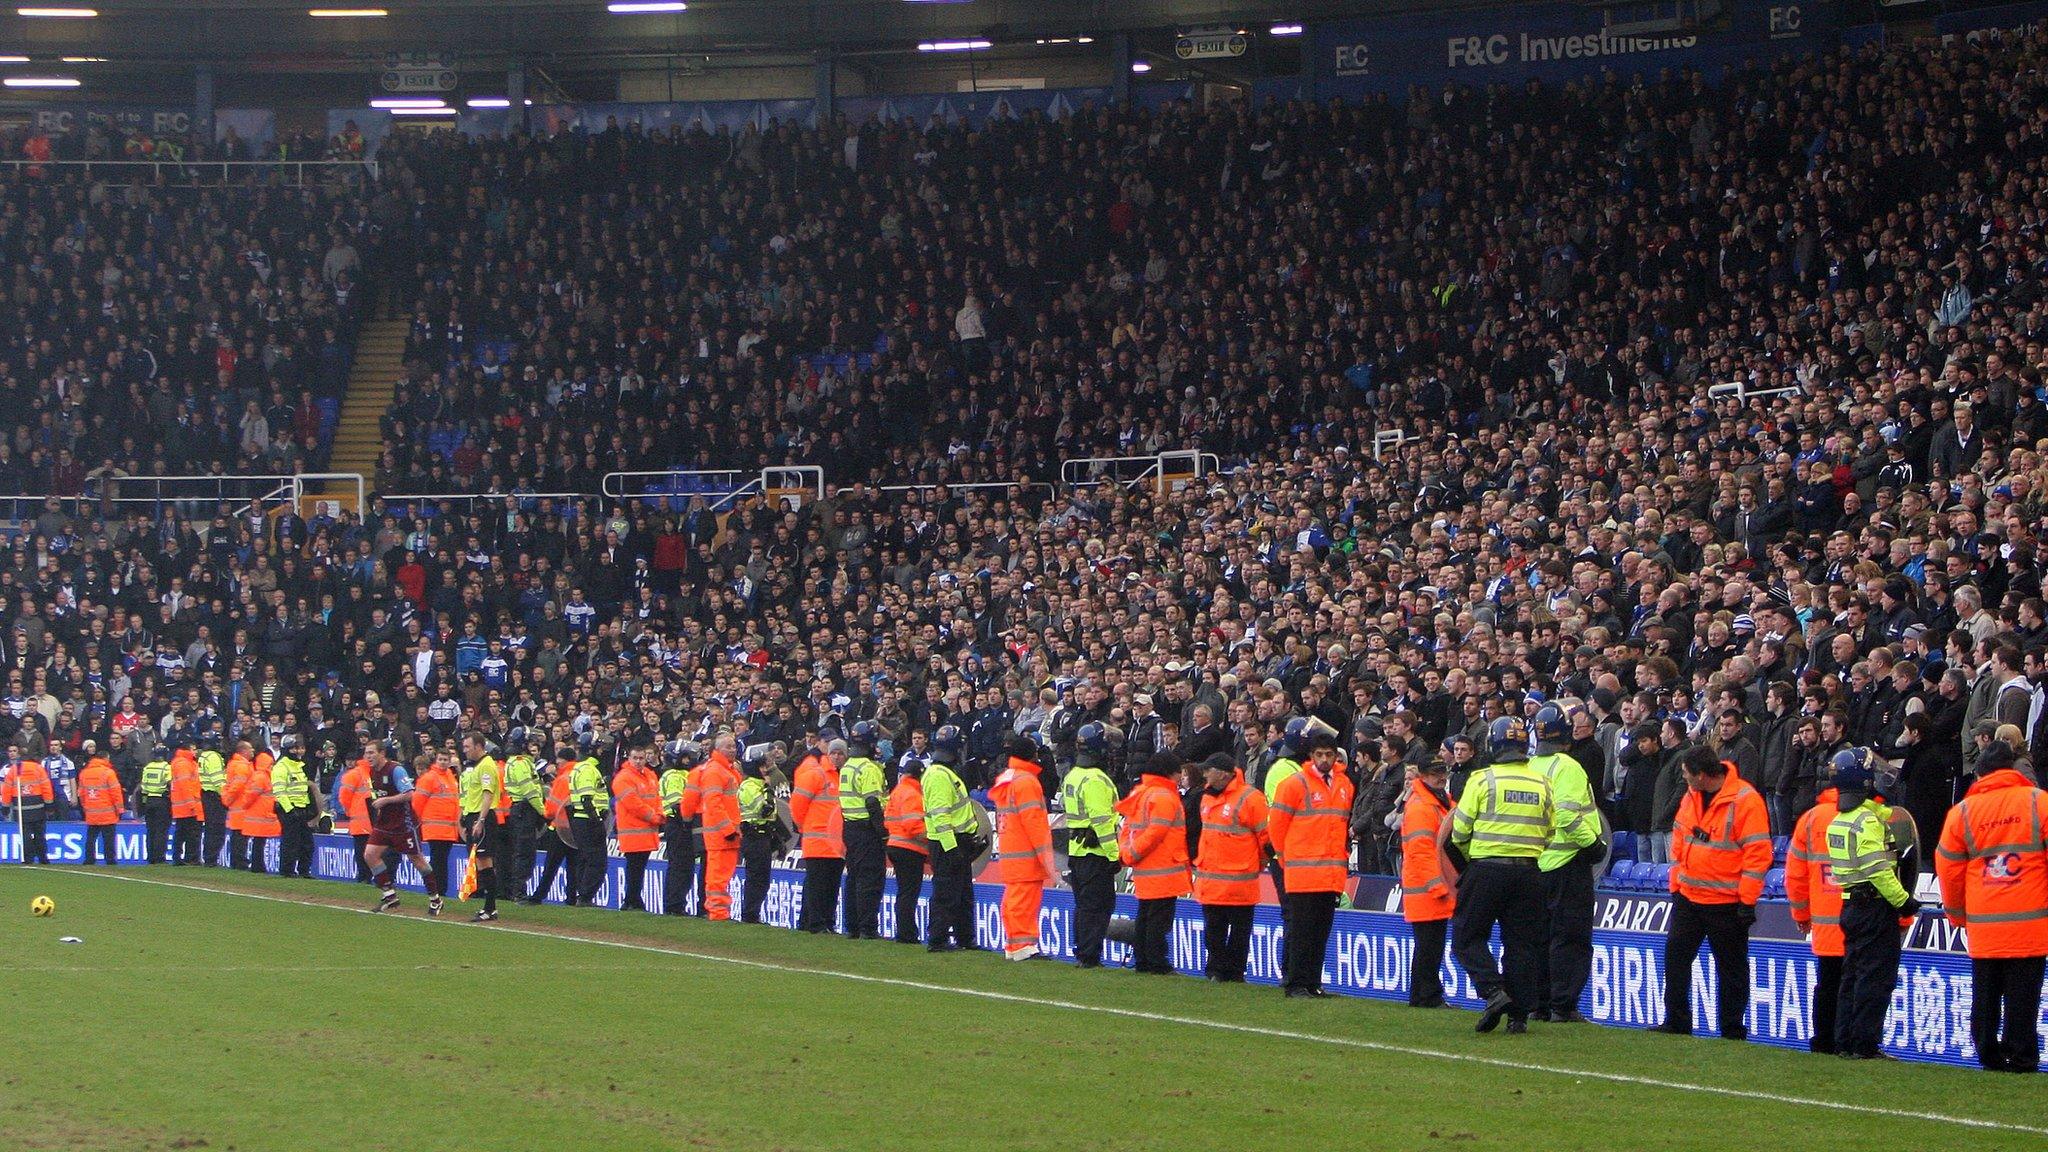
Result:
[
  {"x": 712, "y": 799},
  {"x": 1720, "y": 852},
  {"x": 1992, "y": 861},
  {"x": 1153, "y": 841},
  {"x": 1310, "y": 823},
  {"x": 1429, "y": 886},
  {"x": 814, "y": 806},
  {"x": 26, "y": 790},
  {"x": 1817, "y": 909},
  {"x": 909, "y": 851},
  {"x": 99, "y": 795},
  {"x": 636, "y": 815},
  {"x": 1229, "y": 859},
  {"x": 187, "y": 808},
  {"x": 1023, "y": 847}
]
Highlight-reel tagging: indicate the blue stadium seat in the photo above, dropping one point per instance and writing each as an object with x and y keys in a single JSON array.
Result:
[
  {"x": 1622, "y": 876},
  {"x": 1774, "y": 884},
  {"x": 1624, "y": 846},
  {"x": 1779, "y": 846}
]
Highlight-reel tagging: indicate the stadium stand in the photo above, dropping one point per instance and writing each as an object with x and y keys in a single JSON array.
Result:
[{"x": 1624, "y": 392}]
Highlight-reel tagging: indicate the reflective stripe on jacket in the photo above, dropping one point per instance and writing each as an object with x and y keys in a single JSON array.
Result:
[
  {"x": 1232, "y": 852},
  {"x": 1721, "y": 855},
  {"x": 1310, "y": 823},
  {"x": 1993, "y": 865},
  {"x": 1425, "y": 894},
  {"x": 1154, "y": 839}
]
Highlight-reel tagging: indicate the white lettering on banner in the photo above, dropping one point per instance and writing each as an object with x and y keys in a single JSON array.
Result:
[
  {"x": 1497, "y": 49},
  {"x": 1785, "y": 21},
  {"x": 1354, "y": 59}
]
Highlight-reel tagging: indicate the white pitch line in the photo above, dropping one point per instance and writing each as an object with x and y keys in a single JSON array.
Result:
[{"x": 1154, "y": 1017}]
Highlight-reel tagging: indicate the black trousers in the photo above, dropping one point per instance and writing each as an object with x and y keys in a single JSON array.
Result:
[
  {"x": 102, "y": 835},
  {"x": 185, "y": 839},
  {"x": 561, "y": 858},
  {"x": 214, "y": 835},
  {"x": 1155, "y": 935},
  {"x": 865, "y": 863},
  {"x": 2007, "y": 991},
  {"x": 1716, "y": 926},
  {"x": 757, "y": 857},
  {"x": 295, "y": 845},
  {"x": 238, "y": 849},
  {"x": 589, "y": 857},
  {"x": 156, "y": 820},
  {"x": 951, "y": 922},
  {"x": 909, "y": 869},
  {"x": 525, "y": 830},
  {"x": 679, "y": 847},
  {"x": 1094, "y": 902},
  {"x": 1227, "y": 932},
  {"x": 821, "y": 892},
  {"x": 438, "y": 852},
  {"x": 1568, "y": 959},
  {"x": 1512, "y": 894},
  {"x": 1426, "y": 967},
  {"x": 35, "y": 847},
  {"x": 362, "y": 869},
  {"x": 636, "y": 874},
  {"x": 1827, "y": 993},
  {"x": 259, "y": 853},
  {"x": 1309, "y": 916},
  {"x": 1870, "y": 971}
]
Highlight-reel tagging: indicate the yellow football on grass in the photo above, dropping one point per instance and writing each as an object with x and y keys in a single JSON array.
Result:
[{"x": 42, "y": 906}]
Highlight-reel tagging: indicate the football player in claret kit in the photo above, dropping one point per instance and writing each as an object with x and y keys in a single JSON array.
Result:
[{"x": 392, "y": 831}]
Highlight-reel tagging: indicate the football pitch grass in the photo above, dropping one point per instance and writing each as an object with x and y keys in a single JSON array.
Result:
[{"x": 203, "y": 1009}]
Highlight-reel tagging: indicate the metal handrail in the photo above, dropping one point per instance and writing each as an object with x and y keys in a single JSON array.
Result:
[
  {"x": 960, "y": 486},
  {"x": 400, "y": 499},
  {"x": 193, "y": 167},
  {"x": 1743, "y": 393},
  {"x": 1386, "y": 438},
  {"x": 1103, "y": 469},
  {"x": 250, "y": 490}
]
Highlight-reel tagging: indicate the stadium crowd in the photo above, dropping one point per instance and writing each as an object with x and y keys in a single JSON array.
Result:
[{"x": 1719, "y": 413}]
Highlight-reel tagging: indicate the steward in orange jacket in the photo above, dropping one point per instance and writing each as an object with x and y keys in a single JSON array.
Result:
[
  {"x": 712, "y": 797},
  {"x": 1720, "y": 851},
  {"x": 1993, "y": 867},
  {"x": 814, "y": 806},
  {"x": 99, "y": 796},
  {"x": 903, "y": 816},
  {"x": 636, "y": 812},
  {"x": 259, "y": 813},
  {"x": 1023, "y": 848},
  {"x": 1428, "y": 896},
  {"x": 1153, "y": 842},
  {"x": 1310, "y": 824},
  {"x": 352, "y": 801},
  {"x": 188, "y": 809},
  {"x": 1230, "y": 859},
  {"x": 28, "y": 790},
  {"x": 234, "y": 794}
]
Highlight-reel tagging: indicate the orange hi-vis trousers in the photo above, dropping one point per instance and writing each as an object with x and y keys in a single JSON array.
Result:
[
  {"x": 719, "y": 865},
  {"x": 1021, "y": 903}
]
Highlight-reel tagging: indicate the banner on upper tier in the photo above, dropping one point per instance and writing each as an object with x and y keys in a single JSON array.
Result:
[
  {"x": 1368, "y": 955},
  {"x": 1555, "y": 42}
]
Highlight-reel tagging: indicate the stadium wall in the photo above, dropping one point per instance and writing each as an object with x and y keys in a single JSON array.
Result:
[{"x": 1368, "y": 955}]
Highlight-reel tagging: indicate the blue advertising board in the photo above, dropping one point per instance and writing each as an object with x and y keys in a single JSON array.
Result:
[
  {"x": 1368, "y": 954},
  {"x": 1552, "y": 42}
]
